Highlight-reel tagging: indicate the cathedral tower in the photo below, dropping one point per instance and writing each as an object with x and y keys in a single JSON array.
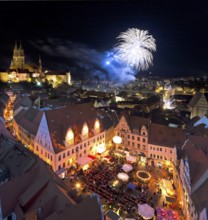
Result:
[{"x": 18, "y": 60}]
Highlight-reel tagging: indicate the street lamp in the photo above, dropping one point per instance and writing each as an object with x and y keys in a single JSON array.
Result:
[{"x": 117, "y": 140}]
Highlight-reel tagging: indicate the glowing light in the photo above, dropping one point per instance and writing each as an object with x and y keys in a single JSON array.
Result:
[
  {"x": 78, "y": 185},
  {"x": 135, "y": 48},
  {"x": 107, "y": 62},
  {"x": 101, "y": 148},
  {"x": 117, "y": 140},
  {"x": 143, "y": 176}
]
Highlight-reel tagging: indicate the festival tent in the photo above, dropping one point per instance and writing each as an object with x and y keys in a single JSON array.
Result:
[
  {"x": 123, "y": 176},
  {"x": 83, "y": 160},
  {"x": 146, "y": 211},
  {"x": 127, "y": 167},
  {"x": 131, "y": 185},
  {"x": 131, "y": 158}
]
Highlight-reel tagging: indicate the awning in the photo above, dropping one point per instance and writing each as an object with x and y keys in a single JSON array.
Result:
[
  {"x": 83, "y": 160},
  {"x": 130, "y": 185},
  {"x": 91, "y": 157}
]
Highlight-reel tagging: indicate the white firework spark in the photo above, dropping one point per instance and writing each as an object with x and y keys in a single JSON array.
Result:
[{"x": 135, "y": 48}]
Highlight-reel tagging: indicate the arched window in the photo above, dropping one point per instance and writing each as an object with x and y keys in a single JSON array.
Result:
[
  {"x": 143, "y": 130},
  {"x": 69, "y": 137},
  {"x": 85, "y": 131},
  {"x": 97, "y": 127}
]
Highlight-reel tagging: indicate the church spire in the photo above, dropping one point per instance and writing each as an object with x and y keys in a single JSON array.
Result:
[{"x": 40, "y": 68}]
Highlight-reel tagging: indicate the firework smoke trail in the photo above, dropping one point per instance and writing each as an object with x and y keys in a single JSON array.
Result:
[{"x": 135, "y": 48}]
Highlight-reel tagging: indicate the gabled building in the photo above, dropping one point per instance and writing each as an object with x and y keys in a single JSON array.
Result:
[
  {"x": 163, "y": 143},
  {"x": 198, "y": 105},
  {"x": 134, "y": 133},
  {"x": 25, "y": 125},
  {"x": 68, "y": 133}
]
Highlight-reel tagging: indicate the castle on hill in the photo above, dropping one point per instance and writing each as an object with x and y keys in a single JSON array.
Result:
[{"x": 20, "y": 71}]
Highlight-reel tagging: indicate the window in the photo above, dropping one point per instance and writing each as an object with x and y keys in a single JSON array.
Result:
[
  {"x": 144, "y": 140},
  {"x": 59, "y": 167},
  {"x": 45, "y": 154},
  {"x": 85, "y": 131},
  {"x": 157, "y": 156},
  {"x": 51, "y": 158},
  {"x": 150, "y": 155},
  {"x": 144, "y": 147},
  {"x": 138, "y": 145},
  {"x": 84, "y": 144},
  {"x": 84, "y": 151},
  {"x": 97, "y": 127},
  {"x": 138, "y": 138},
  {"x": 161, "y": 157},
  {"x": 64, "y": 155},
  {"x": 37, "y": 148},
  {"x": 128, "y": 142},
  {"x": 41, "y": 151},
  {"x": 161, "y": 149},
  {"x": 59, "y": 158},
  {"x": 133, "y": 144},
  {"x": 80, "y": 147},
  {"x": 63, "y": 164},
  {"x": 132, "y": 137},
  {"x": 128, "y": 136},
  {"x": 68, "y": 153},
  {"x": 72, "y": 151},
  {"x": 143, "y": 133},
  {"x": 69, "y": 137},
  {"x": 150, "y": 147},
  {"x": 157, "y": 149},
  {"x": 171, "y": 151}
]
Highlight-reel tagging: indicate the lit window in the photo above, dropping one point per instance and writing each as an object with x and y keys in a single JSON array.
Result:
[
  {"x": 69, "y": 138},
  {"x": 97, "y": 127},
  {"x": 85, "y": 131}
]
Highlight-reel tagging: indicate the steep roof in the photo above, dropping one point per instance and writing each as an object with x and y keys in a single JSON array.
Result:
[
  {"x": 35, "y": 190},
  {"x": 135, "y": 122},
  {"x": 196, "y": 150},
  {"x": 166, "y": 136},
  {"x": 200, "y": 198},
  {"x": 195, "y": 99},
  {"x": 72, "y": 116},
  {"x": 29, "y": 119}
]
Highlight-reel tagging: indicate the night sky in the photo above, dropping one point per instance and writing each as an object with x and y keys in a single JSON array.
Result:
[{"x": 72, "y": 35}]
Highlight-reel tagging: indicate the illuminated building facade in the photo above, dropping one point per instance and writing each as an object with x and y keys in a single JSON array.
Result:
[
  {"x": 66, "y": 134},
  {"x": 134, "y": 133}
]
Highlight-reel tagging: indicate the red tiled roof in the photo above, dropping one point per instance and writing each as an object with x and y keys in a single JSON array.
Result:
[
  {"x": 72, "y": 116},
  {"x": 166, "y": 136},
  {"x": 195, "y": 149}
]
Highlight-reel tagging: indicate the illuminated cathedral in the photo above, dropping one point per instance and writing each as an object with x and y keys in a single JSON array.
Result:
[{"x": 20, "y": 71}]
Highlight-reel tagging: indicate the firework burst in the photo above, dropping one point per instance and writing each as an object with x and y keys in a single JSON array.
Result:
[{"x": 135, "y": 48}]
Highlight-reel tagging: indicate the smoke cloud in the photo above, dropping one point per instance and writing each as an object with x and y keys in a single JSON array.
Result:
[{"x": 82, "y": 61}]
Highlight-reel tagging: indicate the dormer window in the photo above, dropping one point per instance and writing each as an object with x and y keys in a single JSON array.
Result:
[
  {"x": 85, "y": 131},
  {"x": 69, "y": 137},
  {"x": 97, "y": 127}
]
